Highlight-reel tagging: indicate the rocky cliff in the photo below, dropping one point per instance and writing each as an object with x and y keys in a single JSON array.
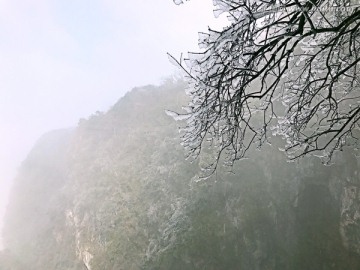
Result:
[{"x": 117, "y": 193}]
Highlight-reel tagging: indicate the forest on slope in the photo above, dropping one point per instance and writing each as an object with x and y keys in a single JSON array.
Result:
[{"x": 117, "y": 193}]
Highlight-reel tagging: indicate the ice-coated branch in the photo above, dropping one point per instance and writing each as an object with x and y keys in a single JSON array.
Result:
[{"x": 283, "y": 67}]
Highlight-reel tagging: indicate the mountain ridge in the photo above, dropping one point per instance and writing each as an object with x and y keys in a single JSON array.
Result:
[{"x": 117, "y": 193}]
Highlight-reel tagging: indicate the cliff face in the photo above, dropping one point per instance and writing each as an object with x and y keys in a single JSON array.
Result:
[
  {"x": 116, "y": 193},
  {"x": 35, "y": 228}
]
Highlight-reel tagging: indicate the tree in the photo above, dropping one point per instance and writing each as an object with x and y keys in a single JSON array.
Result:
[{"x": 281, "y": 67}]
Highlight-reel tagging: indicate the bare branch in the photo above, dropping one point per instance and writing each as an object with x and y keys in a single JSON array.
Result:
[{"x": 303, "y": 54}]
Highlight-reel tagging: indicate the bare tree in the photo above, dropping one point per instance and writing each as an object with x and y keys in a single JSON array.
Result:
[{"x": 283, "y": 67}]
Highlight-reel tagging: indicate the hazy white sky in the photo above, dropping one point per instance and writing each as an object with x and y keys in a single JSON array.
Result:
[{"x": 63, "y": 60}]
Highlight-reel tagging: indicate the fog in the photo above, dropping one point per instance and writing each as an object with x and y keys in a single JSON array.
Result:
[
  {"x": 104, "y": 166},
  {"x": 64, "y": 60}
]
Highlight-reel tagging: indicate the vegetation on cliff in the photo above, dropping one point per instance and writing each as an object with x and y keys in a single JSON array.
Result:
[{"x": 117, "y": 193}]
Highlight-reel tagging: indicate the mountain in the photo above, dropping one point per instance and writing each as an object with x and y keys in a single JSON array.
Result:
[{"x": 117, "y": 193}]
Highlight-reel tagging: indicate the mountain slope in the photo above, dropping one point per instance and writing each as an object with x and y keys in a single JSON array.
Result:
[{"x": 117, "y": 193}]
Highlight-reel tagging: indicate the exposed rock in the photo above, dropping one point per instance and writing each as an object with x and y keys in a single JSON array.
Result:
[{"x": 350, "y": 218}]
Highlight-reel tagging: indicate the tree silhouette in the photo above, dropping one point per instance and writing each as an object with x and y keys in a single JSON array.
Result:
[{"x": 281, "y": 67}]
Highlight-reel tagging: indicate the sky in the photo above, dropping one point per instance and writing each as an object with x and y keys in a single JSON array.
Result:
[{"x": 64, "y": 60}]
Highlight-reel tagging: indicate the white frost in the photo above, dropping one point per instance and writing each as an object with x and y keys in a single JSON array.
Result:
[{"x": 176, "y": 116}]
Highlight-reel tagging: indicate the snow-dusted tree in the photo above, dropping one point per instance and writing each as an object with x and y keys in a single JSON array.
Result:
[{"x": 286, "y": 67}]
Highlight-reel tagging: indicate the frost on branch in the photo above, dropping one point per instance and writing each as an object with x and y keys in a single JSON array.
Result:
[
  {"x": 178, "y": 2},
  {"x": 286, "y": 67}
]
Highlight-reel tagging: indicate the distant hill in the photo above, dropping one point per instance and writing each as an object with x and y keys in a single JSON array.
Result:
[{"x": 117, "y": 193}]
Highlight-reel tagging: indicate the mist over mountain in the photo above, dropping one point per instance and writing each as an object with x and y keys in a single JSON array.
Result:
[{"x": 117, "y": 193}]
